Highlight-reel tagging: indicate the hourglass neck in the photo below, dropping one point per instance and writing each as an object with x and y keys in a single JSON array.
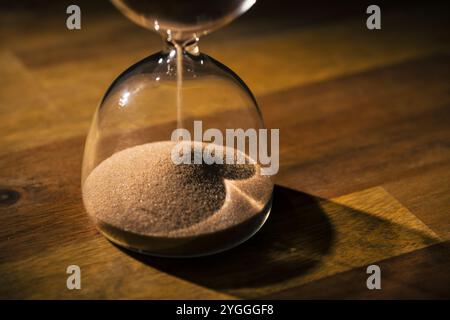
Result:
[{"x": 190, "y": 46}]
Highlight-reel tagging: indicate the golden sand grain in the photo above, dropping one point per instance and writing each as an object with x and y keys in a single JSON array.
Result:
[{"x": 141, "y": 191}]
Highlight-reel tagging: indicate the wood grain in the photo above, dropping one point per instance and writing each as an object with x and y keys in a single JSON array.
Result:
[
  {"x": 415, "y": 275},
  {"x": 364, "y": 122}
]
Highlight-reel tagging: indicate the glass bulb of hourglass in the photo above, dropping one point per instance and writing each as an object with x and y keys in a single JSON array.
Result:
[
  {"x": 132, "y": 189},
  {"x": 183, "y": 19}
]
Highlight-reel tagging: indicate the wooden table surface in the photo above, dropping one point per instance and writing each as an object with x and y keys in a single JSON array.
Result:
[{"x": 364, "y": 119}]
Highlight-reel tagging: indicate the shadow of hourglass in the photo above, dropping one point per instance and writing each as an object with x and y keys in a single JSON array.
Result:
[{"x": 291, "y": 242}]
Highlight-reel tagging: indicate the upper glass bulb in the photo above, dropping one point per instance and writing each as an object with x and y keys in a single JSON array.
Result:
[{"x": 182, "y": 19}]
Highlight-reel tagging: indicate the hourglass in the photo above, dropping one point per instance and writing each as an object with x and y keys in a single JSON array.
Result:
[{"x": 134, "y": 189}]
